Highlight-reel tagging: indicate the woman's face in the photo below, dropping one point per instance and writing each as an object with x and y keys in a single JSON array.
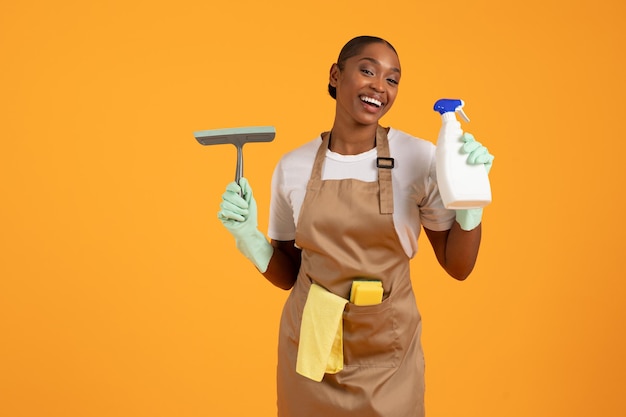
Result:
[{"x": 368, "y": 84}]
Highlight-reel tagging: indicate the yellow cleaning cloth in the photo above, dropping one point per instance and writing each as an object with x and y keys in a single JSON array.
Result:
[{"x": 321, "y": 334}]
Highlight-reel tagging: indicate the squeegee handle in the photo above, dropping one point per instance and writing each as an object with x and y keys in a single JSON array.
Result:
[{"x": 239, "y": 171}]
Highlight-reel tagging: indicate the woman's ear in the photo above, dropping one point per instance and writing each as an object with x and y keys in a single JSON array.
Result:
[{"x": 334, "y": 75}]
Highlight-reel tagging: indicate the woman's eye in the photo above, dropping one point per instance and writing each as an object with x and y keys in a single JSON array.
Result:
[
  {"x": 393, "y": 81},
  {"x": 367, "y": 72}
]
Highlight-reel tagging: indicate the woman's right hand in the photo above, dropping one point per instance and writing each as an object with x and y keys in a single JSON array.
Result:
[{"x": 238, "y": 213}]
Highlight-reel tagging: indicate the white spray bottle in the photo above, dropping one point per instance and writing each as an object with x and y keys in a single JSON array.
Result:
[{"x": 462, "y": 185}]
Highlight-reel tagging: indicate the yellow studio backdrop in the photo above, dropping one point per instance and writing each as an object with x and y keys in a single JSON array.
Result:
[{"x": 122, "y": 295}]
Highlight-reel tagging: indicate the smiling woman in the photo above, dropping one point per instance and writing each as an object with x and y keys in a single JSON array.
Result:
[
  {"x": 364, "y": 83},
  {"x": 349, "y": 206}
]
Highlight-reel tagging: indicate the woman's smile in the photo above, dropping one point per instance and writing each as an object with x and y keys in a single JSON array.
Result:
[{"x": 371, "y": 102}]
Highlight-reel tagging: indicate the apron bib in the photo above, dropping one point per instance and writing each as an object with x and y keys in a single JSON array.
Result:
[{"x": 346, "y": 232}]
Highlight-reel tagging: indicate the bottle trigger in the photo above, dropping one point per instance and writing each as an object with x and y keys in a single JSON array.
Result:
[{"x": 460, "y": 111}]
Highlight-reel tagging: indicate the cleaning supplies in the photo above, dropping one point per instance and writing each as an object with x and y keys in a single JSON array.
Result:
[
  {"x": 320, "y": 349},
  {"x": 366, "y": 292},
  {"x": 238, "y": 136},
  {"x": 462, "y": 185}
]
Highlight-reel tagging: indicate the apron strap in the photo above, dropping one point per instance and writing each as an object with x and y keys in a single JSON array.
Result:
[
  {"x": 384, "y": 164},
  {"x": 315, "y": 180}
]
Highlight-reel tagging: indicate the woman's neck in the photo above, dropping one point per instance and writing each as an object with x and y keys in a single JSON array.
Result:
[{"x": 352, "y": 141}]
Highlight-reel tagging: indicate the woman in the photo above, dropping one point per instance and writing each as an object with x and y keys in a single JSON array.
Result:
[{"x": 347, "y": 206}]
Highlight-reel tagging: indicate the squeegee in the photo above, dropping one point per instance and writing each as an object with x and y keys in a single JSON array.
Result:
[{"x": 238, "y": 136}]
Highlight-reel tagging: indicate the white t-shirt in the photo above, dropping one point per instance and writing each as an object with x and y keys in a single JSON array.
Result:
[{"x": 416, "y": 197}]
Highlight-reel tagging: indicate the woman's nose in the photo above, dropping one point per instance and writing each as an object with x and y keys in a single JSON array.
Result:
[{"x": 377, "y": 84}]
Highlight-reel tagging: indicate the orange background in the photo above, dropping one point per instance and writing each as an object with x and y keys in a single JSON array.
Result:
[{"x": 122, "y": 295}]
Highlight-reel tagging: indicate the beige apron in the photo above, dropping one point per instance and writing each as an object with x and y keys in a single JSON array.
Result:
[{"x": 346, "y": 231}]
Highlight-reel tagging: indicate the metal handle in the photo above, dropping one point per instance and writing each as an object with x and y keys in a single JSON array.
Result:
[{"x": 239, "y": 169}]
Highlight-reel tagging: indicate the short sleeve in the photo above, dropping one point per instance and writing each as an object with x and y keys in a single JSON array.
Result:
[
  {"x": 281, "y": 221},
  {"x": 433, "y": 215}
]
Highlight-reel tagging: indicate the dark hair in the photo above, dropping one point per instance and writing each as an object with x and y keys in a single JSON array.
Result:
[{"x": 353, "y": 48}]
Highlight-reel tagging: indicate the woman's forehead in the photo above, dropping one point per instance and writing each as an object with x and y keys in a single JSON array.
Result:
[{"x": 378, "y": 53}]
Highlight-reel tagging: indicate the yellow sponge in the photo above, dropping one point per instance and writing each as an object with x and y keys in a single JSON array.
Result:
[{"x": 366, "y": 292}]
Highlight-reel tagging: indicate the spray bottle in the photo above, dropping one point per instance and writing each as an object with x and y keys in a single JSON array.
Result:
[{"x": 462, "y": 185}]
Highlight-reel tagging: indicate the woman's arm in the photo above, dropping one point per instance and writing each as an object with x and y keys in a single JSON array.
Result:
[
  {"x": 284, "y": 265},
  {"x": 456, "y": 249}
]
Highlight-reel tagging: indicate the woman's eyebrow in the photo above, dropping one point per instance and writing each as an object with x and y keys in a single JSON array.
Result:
[{"x": 374, "y": 61}]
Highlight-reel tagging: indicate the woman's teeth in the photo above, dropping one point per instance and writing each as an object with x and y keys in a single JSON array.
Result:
[{"x": 371, "y": 101}]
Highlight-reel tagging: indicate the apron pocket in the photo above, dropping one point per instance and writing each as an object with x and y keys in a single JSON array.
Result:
[{"x": 370, "y": 337}]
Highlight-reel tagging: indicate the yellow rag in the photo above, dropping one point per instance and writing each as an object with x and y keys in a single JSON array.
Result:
[{"x": 321, "y": 334}]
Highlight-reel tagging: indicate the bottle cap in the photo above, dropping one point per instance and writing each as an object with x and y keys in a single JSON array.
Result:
[{"x": 449, "y": 105}]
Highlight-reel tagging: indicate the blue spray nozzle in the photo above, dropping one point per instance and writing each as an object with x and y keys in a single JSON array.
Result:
[{"x": 450, "y": 105}]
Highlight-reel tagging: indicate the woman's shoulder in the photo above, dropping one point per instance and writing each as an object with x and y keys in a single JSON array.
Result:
[
  {"x": 302, "y": 154},
  {"x": 403, "y": 142}
]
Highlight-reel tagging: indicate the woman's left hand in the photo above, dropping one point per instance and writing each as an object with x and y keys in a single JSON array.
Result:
[{"x": 477, "y": 153}]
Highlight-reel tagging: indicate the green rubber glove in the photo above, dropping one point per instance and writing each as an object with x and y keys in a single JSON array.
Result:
[
  {"x": 476, "y": 154},
  {"x": 238, "y": 213}
]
